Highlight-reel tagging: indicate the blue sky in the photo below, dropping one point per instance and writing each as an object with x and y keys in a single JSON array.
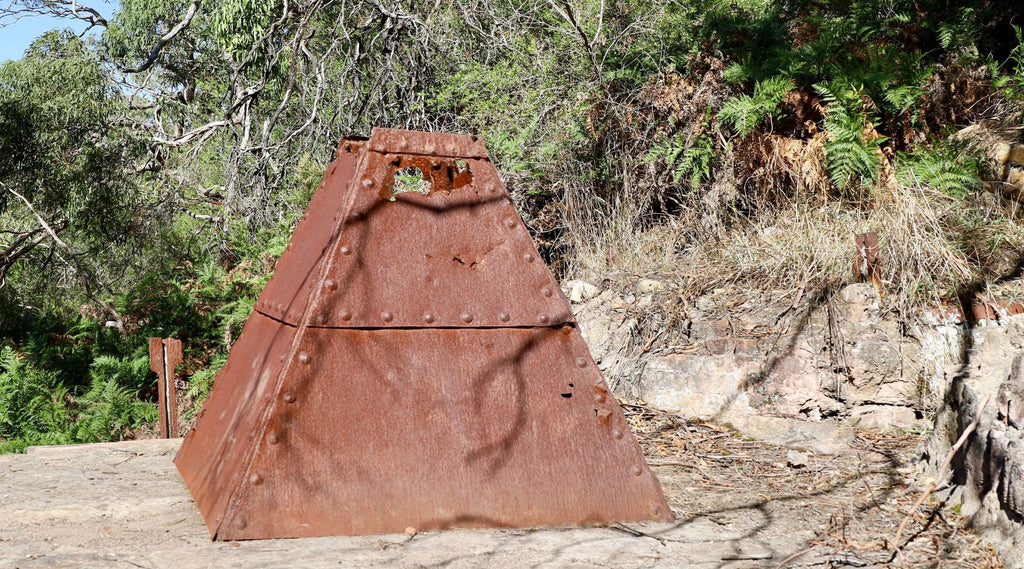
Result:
[{"x": 14, "y": 39}]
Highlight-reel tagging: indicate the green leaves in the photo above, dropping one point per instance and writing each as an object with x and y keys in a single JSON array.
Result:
[
  {"x": 690, "y": 162},
  {"x": 744, "y": 113},
  {"x": 953, "y": 173},
  {"x": 851, "y": 154},
  {"x": 239, "y": 24}
]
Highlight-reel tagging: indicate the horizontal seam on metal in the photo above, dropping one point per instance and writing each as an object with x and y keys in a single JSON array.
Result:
[
  {"x": 373, "y": 328},
  {"x": 434, "y": 155}
]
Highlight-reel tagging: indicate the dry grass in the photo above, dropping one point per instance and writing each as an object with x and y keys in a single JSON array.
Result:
[
  {"x": 854, "y": 502},
  {"x": 932, "y": 247}
]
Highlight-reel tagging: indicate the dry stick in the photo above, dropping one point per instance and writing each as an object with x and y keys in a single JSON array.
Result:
[
  {"x": 794, "y": 556},
  {"x": 941, "y": 474}
]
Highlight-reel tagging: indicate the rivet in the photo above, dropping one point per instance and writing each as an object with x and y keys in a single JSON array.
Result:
[
  {"x": 345, "y": 250},
  {"x": 304, "y": 358},
  {"x": 357, "y": 215},
  {"x": 288, "y": 397},
  {"x": 656, "y": 509},
  {"x": 546, "y": 292},
  {"x": 331, "y": 284},
  {"x": 284, "y": 357},
  {"x": 504, "y": 316},
  {"x": 636, "y": 470},
  {"x": 428, "y": 317},
  {"x": 452, "y": 148},
  {"x": 616, "y": 434},
  {"x": 273, "y": 439},
  {"x": 489, "y": 188},
  {"x": 255, "y": 479},
  {"x": 429, "y": 149},
  {"x": 345, "y": 315},
  {"x": 600, "y": 398},
  {"x": 403, "y": 143},
  {"x": 320, "y": 319},
  {"x": 528, "y": 257},
  {"x": 387, "y": 316},
  {"x": 240, "y": 523},
  {"x": 368, "y": 183},
  {"x": 543, "y": 318},
  {"x": 581, "y": 362},
  {"x": 466, "y": 317},
  {"x": 510, "y": 223}
]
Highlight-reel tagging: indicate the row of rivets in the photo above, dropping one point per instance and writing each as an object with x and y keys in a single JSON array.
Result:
[{"x": 430, "y": 318}]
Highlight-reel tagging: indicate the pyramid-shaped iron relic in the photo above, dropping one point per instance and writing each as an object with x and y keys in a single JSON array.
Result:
[{"x": 412, "y": 363}]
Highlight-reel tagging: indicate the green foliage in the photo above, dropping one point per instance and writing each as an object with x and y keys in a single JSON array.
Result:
[
  {"x": 239, "y": 24},
  {"x": 953, "y": 173},
  {"x": 34, "y": 404},
  {"x": 202, "y": 381},
  {"x": 850, "y": 155},
  {"x": 691, "y": 162},
  {"x": 112, "y": 407},
  {"x": 57, "y": 146},
  {"x": 744, "y": 113}
]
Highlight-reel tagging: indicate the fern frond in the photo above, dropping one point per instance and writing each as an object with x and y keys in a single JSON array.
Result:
[
  {"x": 849, "y": 155},
  {"x": 744, "y": 113},
  {"x": 955, "y": 175}
]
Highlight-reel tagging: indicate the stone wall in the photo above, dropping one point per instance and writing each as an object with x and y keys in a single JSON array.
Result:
[
  {"x": 843, "y": 358},
  {"x": 987, "y": 476}
]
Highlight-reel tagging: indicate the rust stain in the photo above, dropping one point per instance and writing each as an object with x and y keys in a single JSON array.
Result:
[{"x": 412, "y": 363}]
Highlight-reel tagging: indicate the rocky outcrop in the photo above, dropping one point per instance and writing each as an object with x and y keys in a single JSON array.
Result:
[
  {"x": 988, "y": 470},
  {"x": 845, "y": 357},
  {"x": 807, "y": 378}
]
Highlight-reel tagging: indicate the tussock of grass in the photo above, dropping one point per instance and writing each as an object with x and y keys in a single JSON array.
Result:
[{"x": 932, "y": 247}]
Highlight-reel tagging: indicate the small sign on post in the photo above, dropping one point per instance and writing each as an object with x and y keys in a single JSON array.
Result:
[{"x": 164, "y": 355}]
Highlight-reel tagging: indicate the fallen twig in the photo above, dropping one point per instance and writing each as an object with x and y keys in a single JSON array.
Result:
[{"x": 940, "y": 475}]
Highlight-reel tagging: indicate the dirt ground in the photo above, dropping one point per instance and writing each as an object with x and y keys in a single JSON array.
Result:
[
  {"x": 738, "y": 503},
  {"x": 854, "y": 501}
]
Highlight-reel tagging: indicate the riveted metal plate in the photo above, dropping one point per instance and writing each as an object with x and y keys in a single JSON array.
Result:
[
  {"x": 387, "y": 140},
  {"x": 412, "y": 363},
  {"x": 287, "y": 294},
  {"x": 435, "y": 429},
  {"x": 466, "y": 258},
  {"x": 212, "y": 457}
]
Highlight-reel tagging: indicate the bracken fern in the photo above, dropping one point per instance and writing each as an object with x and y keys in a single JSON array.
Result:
[{"x": 849, "y": 154}]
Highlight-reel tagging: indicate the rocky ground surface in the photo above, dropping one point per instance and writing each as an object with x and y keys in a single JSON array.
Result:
[{"x": 739, "y": 503}]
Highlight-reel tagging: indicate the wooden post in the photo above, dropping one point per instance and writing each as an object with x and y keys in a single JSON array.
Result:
[
  {"x": 865, "y": 262},
  {"x": 164, "y": 355}
]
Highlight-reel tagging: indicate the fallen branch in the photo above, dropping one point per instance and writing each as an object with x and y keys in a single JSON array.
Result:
[{"x": 940, "y": 475}]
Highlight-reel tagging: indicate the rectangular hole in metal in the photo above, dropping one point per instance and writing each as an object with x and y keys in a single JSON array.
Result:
[{"x": 410, "y": 179}]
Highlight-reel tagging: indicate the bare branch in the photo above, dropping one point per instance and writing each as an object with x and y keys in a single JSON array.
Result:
[
  {"x": 200, "y": 132},
  {"x": 16, "y": 10},
  {"x": 166, "y": 38}
]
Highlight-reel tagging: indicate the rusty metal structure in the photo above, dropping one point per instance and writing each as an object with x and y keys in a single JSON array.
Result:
[
  {"x": 164, "y": 355},
  {"x": 412, "y": 363}
]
